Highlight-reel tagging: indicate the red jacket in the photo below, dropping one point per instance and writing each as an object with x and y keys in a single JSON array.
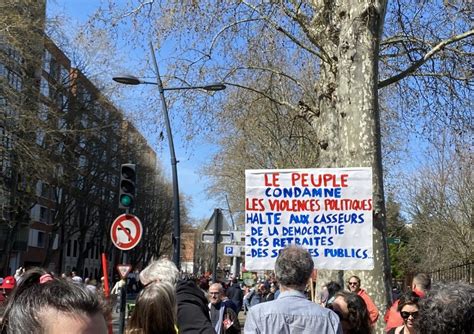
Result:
[
  {"x": 373, "y": 311},
  {"x": 392, "y": 317}
]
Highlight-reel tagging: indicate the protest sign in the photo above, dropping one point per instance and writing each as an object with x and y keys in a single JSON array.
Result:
[{"x": 327, "y": 211}]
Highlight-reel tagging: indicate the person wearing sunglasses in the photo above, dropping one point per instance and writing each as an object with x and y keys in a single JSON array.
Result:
[
  {"x": 420, "y": 285},
  {"x": 353, "y": 284},
  {"x": 408, "y": 308}
]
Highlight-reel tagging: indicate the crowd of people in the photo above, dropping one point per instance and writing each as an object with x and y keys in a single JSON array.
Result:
[{"x": 37, "y": 301}]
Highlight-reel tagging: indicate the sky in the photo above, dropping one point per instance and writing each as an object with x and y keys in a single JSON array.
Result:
[{"x": 191, "y": 156}]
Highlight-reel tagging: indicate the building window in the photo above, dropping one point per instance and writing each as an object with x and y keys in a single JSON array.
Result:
[
  {"x": 74, "y": 251},
  {"x": 45, "y": 190},
  {"x": 82, "y": 161},
  {"x": 60, "y": 148},
  {"x": 36, "y": 238},
  {"x": 43, "y": 112},
  {"x": 40, "y": 135},
  {"x": 82, "y": 141},
  {"x": 46, "y": 61},
  {"x": 14, "y": 80},
  {"x": 65, "y": 76},
  {"x": 15, "y": 55},
  {"x": 44, "y": 87},
  {"x": 43, "y": 214},
  {"x": 54, "y": 71},
  {"x": 64, "y": 103},
  {"x": 5, "y": 139},
  {"x": 62, "y": 124},
  {"x": 5, "y": 167},
  {"x": 85, "y": 121},
  {"x": 40, "y": 241},
  {"x": 80, "y": 182}
]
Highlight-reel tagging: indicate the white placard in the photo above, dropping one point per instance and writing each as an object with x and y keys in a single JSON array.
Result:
[{"x": 327, "y": 211}]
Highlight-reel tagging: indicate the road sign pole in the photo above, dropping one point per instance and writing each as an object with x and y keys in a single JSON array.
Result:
[
  {"x": 216, "y": 236},
  {"x": 123, "y": 302}
]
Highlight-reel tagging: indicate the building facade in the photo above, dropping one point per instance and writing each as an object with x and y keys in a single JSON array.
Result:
[{"x": 62, "y": 144}]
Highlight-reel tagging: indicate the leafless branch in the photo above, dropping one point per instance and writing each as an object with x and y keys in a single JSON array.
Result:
[
  {"x": 440, "y": 46},
  {"x": 285, "y": 32},
  {"x": 271, "y": 98},
  {"x": 272, "y": 70},
  {"x": 134, "y": 11},
  {"x": 233, "y": 24}
]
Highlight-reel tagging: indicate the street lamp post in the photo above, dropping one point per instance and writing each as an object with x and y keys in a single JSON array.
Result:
[{"x": 132, "y": 80}]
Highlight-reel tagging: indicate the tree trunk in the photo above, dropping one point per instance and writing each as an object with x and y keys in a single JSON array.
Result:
[{"x": 349, "y": 123}]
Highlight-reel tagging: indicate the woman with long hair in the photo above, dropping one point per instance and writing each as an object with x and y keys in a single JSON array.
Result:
[
  {"x": 155, "y": 310},
  {"x": 352, "y": 312}
]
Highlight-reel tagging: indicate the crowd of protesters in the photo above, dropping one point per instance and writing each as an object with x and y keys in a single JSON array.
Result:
[{"x": 37, "y": 301}]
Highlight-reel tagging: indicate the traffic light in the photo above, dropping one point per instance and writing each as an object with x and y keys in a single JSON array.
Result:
[{"x": 127, "y": 186}]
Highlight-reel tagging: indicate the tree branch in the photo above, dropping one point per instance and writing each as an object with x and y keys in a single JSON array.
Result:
[
  {"x": 440, "y": 46},
  {"x": 285, "y": 32},
  {"x": 233, "y": 24},
  {"x": 283, "y": 103},
  {"x": 134, "y": 11}
]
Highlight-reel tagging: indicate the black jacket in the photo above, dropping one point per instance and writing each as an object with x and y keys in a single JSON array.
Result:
[
  {"x": 193, "y": 312},
  {"x": 235, "y": 293}
]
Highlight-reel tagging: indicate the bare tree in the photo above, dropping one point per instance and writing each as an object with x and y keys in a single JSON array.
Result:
[
  {"x": 440, "y": 198},
  {"x": 22, "y": 162}
]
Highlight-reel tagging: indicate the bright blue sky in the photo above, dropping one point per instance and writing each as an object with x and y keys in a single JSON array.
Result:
[{"x": 190, "y": 157}]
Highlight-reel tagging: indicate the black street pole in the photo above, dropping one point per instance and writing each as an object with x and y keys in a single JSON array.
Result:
[
  {"x": 176, "y": 237},
  {"x": 132, "y": 80},
  {"x": 216, "y": 242}
]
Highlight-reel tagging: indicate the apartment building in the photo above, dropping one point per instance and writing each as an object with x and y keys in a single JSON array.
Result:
[{"x": 62, "y": 143}]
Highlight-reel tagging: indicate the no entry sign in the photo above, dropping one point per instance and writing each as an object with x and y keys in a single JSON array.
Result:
[{"x": 126, "y": 231}]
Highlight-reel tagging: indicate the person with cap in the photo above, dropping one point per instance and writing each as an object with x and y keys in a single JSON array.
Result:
[
  {"x": 76, "y": 278},
  {"x": 6, "y": 288}
]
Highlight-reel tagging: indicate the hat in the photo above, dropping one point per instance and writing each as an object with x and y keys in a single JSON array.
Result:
[
  {"x": 77, "y": 279},
  {"x": 9, "y": 282}
]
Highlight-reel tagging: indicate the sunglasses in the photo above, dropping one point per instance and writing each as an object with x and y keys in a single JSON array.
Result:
[
  {"x": 406, "y": 315},
  {"x": 353, "y": 283}
]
